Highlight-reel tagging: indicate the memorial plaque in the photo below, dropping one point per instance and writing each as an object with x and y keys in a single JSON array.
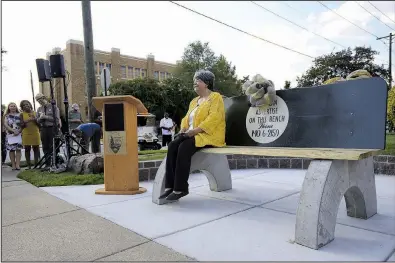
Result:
[
  {"x": 114, "y": 117},
  {"x": 349, "y": 114},
  {"x": 266, "y": 124}
]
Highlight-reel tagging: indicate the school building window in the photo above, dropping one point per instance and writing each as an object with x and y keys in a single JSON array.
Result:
[
  {"x": 136, "y": 72},
  {"x": 130, "y": 72},
  {"x": 101, "y": 67},
  {"x": 162, "y": 75},
  {"x": 156, "y": 74},
  {"x": 108, "y": 67},
  {"x": 123, "y": 72},
  {"x": 143, "y": 73}
]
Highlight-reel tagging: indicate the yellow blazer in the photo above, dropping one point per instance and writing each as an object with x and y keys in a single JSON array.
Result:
[{"x": 210, "y": 117}]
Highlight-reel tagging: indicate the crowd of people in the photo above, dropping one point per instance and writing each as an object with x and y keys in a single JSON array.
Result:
[
  {"x": 203, "y": 126},
  {"x": 24, "y": 128}
]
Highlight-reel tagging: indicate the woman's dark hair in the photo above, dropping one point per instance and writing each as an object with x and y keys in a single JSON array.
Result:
[
  {"x": 206, "y": 76},
  {"x": 23, "y": 102}
]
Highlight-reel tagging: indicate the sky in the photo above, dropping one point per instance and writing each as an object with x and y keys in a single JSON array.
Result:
[{"x": 31, "y": 29}]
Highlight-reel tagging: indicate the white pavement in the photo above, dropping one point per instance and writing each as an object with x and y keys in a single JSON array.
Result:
[{"x": 255, "y": 221}]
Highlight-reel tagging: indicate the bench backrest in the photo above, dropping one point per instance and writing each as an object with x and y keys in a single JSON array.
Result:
[{"x": 349, "y": 115}]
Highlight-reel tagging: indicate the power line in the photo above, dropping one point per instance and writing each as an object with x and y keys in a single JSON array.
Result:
[
  {"x": 373, "y": 15},
  {"x": 349, "y": 21},
  {"x": 297, "y": 24},
  {"x": 242, "y": 31},
  {"x": 380, "y": 11},
  {"x": 297, "y": 10}
]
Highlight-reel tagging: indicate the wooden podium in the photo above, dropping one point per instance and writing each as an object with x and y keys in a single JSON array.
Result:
[{"x": 121, "y": 174}]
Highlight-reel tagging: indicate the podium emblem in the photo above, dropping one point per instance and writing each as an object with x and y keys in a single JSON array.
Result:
[{"x": 115, "y": 143}]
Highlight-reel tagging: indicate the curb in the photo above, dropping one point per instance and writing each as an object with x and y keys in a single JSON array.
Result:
[{"x": 383, "y": 164}]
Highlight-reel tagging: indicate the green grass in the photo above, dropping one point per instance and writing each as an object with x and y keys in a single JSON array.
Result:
[
  {"x": 145, "y": 152},
  {"x": 150, "y": 157},
  {"x": 40, "y": 179},
  {"x": 390, "y": 145},
  {"x": 146, "y": 155}
]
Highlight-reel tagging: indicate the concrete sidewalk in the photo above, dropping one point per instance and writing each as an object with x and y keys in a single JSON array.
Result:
[{"x": 37, "y": 226}]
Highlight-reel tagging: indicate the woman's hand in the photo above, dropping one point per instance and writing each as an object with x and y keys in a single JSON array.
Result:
[
  {"x": 30, "y": 119},
  {"x": 193, "y": 132},
  {"x": 16, "y": 132},
  {"x": 183, "y": 130}
]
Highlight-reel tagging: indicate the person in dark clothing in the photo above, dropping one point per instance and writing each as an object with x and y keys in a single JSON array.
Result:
[
  {"x": 89, "y": 132},
  {"x": 45, "y": 118}
]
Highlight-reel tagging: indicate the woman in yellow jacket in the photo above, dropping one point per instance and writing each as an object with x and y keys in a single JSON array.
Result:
[{"x": 203, "y": 126}]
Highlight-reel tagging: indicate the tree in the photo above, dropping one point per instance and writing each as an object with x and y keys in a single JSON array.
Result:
[
  {"x": 198, "y": 55},
  {"x": 172, "y": 95},
  {"x": 179, "y": 97},
  {"x": 226, "y": 81},
  {"x": 245, "y": 79},
  {"x": 340, "y": 64},
  {"x": 391, "y": 106},
  {"x": 287, "y": 84},
  {"x": 149, "y": 91}
]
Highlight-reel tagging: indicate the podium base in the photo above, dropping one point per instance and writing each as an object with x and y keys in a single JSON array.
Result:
[{"x": 102, "y": 191}]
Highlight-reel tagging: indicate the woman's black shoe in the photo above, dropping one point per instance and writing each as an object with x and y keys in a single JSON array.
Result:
[
  {"x": 166, "y": 194},
  {"x": 173, "y": 196}
]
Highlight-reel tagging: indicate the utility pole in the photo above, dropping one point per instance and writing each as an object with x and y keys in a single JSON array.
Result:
[
  {"x": 31, "y": 83},
  {"x": 90, "y": 88},
  {"x": 390, "y": 57}
]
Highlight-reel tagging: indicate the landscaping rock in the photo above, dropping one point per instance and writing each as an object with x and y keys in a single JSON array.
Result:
[{"x": 87, "y": 164}]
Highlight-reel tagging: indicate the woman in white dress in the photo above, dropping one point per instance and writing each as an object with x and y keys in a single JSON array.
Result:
[{"x": 12, "y": 124}]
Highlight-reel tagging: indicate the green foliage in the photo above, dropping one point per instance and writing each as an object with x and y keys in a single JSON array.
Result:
[
  {"x": 171, "y": 95},
  {"x": 179, "y": 96},
  {"x": 149, "y": 91},
  {"x": 41, "y": 179},
  {"x": 198, "y": 55},
  {"x": 245, "y": 79},
  {"x": 389, "y": 145},
  {"x": 287, "y": 84},
  {"x": 340, "y": 64},
  {"x": 148, "y": 152},
  {"x": 391, "y": 105}
]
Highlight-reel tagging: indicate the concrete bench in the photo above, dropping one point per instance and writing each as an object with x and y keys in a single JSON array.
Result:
[
  {"x": 339, "y": 126},
  {"x": 332, "y": 174}
]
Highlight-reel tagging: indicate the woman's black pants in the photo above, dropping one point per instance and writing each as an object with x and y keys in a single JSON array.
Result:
[{"x": 178, "y": 162}]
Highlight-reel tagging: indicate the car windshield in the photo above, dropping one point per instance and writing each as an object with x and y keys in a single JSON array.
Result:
[
  {"x": 141, "y": 121},
  {"x": 145, "y": 121}
]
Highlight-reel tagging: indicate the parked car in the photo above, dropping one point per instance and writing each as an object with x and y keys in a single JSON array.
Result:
[{"x": 147, "y": 135}]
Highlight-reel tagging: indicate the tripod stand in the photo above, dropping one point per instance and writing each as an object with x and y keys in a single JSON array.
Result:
[{"x": 58, "y": 141}]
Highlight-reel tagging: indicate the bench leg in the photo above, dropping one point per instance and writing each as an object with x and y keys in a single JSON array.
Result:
[
  {"x": 325, "y": 184},
  {"x": 214, "y": 166}
]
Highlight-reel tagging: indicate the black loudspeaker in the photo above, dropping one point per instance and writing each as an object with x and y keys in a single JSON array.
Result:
[
  {"x": 43, "y": 70},
  {"x": 57, "y": 66}
]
